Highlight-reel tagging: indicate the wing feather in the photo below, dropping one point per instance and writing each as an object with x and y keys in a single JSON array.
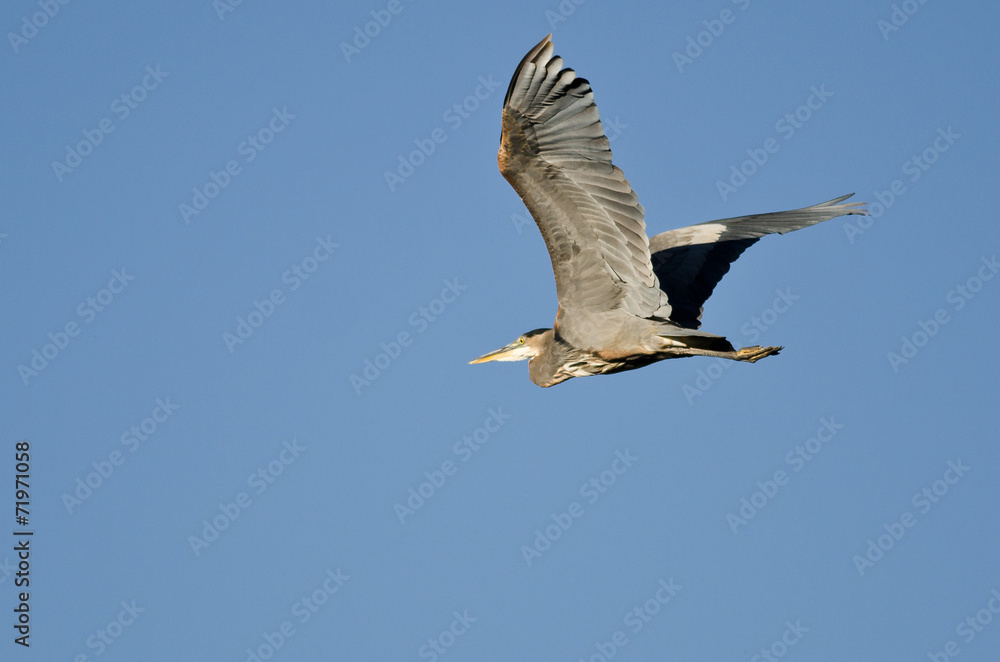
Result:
[
  {"x": 689, "y": 262},
  {"x": 554, "y": 153}
]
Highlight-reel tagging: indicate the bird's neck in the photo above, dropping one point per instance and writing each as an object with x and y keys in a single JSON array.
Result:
[{"x": 553, "y": 354}]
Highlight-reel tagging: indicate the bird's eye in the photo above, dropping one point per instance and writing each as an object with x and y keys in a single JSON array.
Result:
[{"x": 520, "y": 340}]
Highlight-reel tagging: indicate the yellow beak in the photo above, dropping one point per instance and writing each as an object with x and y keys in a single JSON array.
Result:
[{"x": 497, "y": 354}]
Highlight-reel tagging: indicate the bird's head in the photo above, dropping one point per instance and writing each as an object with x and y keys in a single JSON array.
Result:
[{"x": 528, "y": 346}]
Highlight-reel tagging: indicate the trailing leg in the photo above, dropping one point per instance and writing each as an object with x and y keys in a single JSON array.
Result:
[{"x": 747, "y": 354}]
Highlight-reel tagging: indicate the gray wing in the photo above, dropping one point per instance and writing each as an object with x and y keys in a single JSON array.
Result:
[
  {"x": 689, "y": 262},
  {"x": 554, "y": 153}
]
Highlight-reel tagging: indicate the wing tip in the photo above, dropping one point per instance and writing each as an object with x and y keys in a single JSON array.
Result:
[
  {"x": 530, "y": 55},
  {"x": 848, "y": 209}
]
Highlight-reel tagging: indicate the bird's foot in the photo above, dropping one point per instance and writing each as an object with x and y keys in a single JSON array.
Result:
[{"x": 756, "y": 353}]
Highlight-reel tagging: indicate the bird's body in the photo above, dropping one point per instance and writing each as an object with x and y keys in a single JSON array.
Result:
[{"x": 625, "y": 301}]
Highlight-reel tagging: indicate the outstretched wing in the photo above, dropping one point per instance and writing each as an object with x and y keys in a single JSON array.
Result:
[
  {"x": 554, "y": 153},
  {"x": 691, "y": 261}
]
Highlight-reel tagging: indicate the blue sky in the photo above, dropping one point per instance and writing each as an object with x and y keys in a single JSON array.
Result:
[{"x": 250, "y": 249}]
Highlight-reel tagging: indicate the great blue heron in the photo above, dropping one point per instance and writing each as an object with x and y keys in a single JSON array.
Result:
[{"x": 625, "y": 301}]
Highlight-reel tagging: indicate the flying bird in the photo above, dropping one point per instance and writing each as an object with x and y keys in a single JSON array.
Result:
[{"x": 625, "y": 300}]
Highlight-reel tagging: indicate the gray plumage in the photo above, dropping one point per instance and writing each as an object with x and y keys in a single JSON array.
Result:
[{"x": 625, "y": 301}]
